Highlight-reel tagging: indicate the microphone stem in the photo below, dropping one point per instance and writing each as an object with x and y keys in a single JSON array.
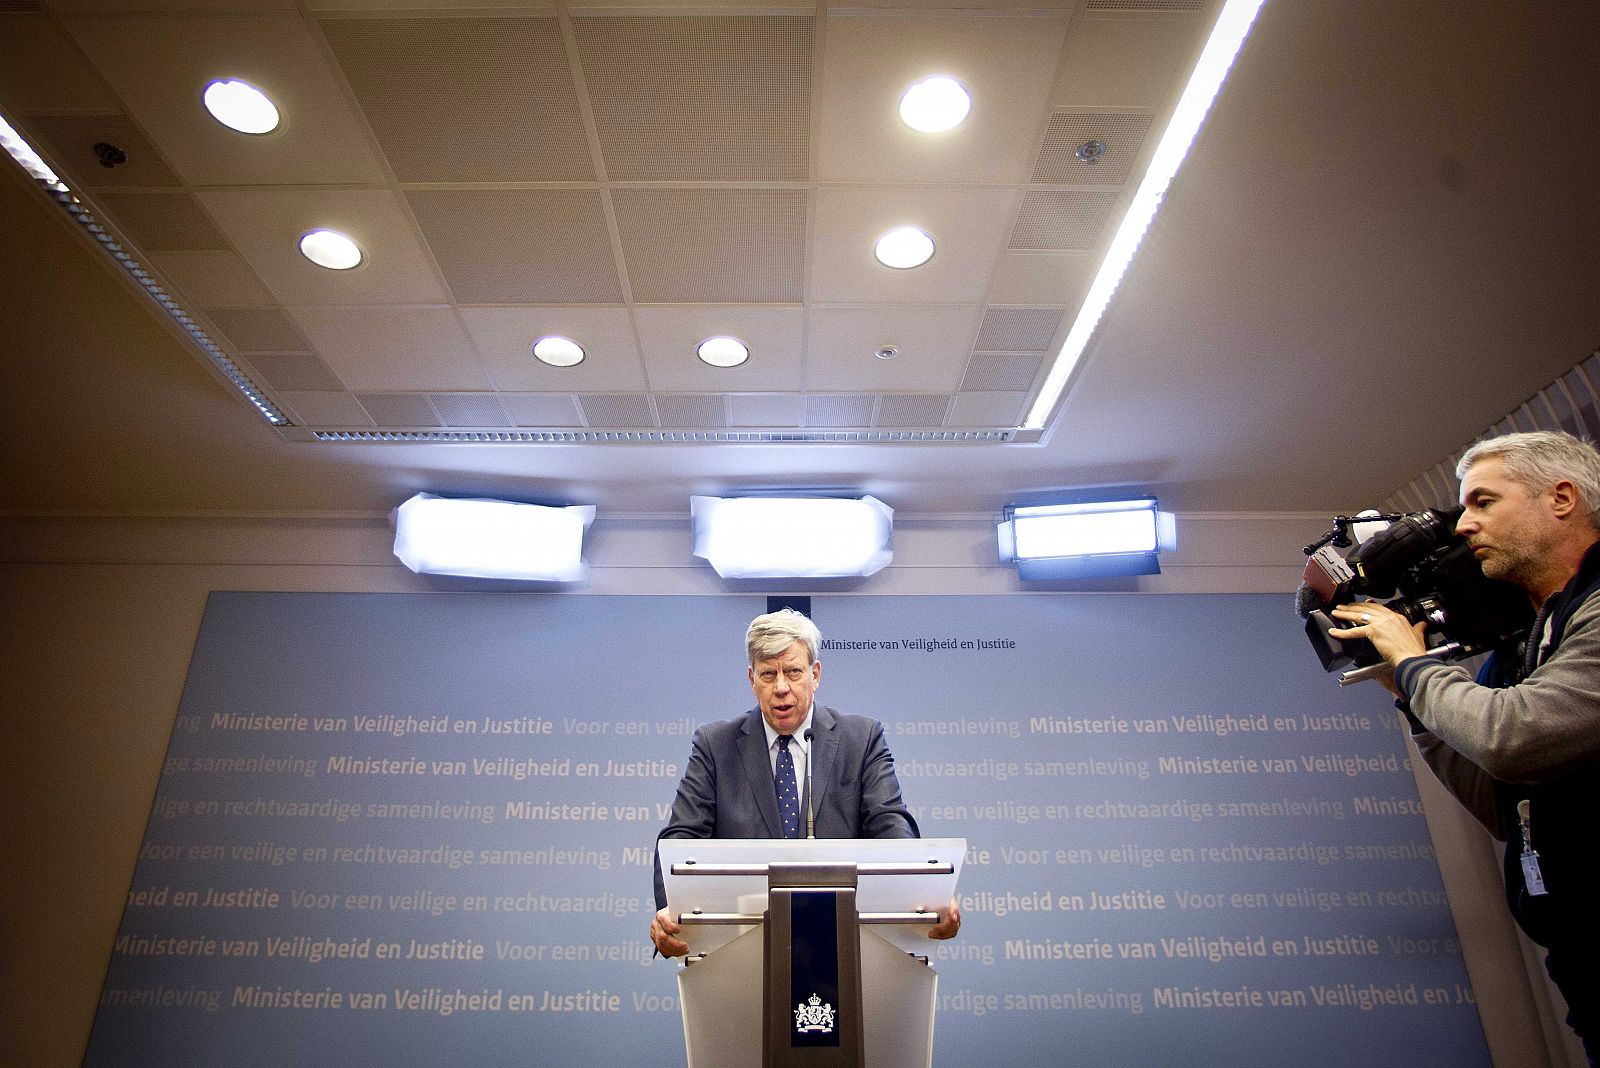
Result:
[{"x": 811, "y": 823}]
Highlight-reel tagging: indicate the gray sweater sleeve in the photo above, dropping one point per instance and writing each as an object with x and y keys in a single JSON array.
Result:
[
  {"x": 1467, "y": 782},
  {"x": 1545, "y": 727}
]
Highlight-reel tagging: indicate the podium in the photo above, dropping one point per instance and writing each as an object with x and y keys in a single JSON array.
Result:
[{"x": 810, "y": 952}]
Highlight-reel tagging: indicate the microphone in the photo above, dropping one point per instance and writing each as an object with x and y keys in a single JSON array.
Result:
[
  {"x": 1306, "y": 600},
  {"x": 811, "y": 822}
]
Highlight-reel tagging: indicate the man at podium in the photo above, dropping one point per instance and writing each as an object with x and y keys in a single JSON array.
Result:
[{"x": 747, "y": 777}]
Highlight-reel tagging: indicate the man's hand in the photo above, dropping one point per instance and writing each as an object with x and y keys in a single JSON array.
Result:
[
  {"x": 949, "y": 922},
  {"x": 1393, "y": 635},
  {"x": 663, "y": 932}
]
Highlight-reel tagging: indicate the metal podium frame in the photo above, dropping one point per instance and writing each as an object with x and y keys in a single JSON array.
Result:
[{"x": 734, "y": 900}]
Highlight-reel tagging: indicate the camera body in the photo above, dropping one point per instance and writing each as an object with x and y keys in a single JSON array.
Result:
[{"x": 1427, "y": 571}]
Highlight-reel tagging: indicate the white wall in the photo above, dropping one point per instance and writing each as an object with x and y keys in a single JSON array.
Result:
[{"x": 98, "y": 617}]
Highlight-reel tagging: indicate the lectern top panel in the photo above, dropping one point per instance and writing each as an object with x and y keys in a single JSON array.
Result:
[{"x": 748, "y": 893}]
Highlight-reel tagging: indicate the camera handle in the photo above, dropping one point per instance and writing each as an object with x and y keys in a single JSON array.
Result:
[
  {"x": 1339, "y": 537},
  {"x": 1355, "y": 675}
]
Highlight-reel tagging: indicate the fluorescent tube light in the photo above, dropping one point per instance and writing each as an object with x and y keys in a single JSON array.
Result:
[
  {"x": 26, "y": 157},
  {"x": 482, "y": 538},
  {"x": 1227, "y": 37},
  {"x": 793, "y": 537}
]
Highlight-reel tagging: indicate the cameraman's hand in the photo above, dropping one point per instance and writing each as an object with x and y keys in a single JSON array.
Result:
[{"x": 1393, "y": 635}]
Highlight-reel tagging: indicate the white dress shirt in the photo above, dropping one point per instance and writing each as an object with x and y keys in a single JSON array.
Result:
[{"x": 800, "y": 751}]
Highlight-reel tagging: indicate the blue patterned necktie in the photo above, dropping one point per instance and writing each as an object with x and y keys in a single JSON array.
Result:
[{"x": 788, "y": 795}]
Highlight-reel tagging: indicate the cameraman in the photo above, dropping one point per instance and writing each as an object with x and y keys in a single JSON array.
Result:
[{"x": 1529, "y": 727}]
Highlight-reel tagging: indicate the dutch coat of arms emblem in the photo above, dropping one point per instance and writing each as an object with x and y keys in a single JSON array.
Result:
[{"x": 813, "y": 1014}]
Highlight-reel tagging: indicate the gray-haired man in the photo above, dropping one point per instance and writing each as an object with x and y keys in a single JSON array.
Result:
[
  {"x": 1520, "y": 745},
  {"x": 744, "y": 777}
]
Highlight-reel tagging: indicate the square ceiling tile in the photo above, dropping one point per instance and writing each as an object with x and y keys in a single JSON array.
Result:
[
  {"x": 541, "y": 409},
  {"x": 933, "y": 339},
  {"x": 399, "y": 409},
  {"x": 722, "y": 96},
  {"x": 906, "y": 410},
  {"x": 294, "y": 371},
  {"x": 1122, "y": 134},
  {"x": 161, "y": 66},
  {"x": 610, "y": 363},
  {"x": 1043, "y": 278},
  {"x": 1062, "y": 220},
  {"x": 705, "y": 246},
  {"x": 212, "y": 279},
  {"x": 847, "y": 410},
  {"x": 763, "y": 409},
  {"x": 1001, "y": 371},
  {"x": 394, "y": 348},
  {"x": 467, "y": 99},
  {"x": 670, "y": 335},
  {"x": 326, "y": 409},
  {"x": 531, "y": 7},
  {"x": 1126, "y": 59},
  {"x": 41, "y": 68},
  {"x": 986, "y": 409},
  {"x": 1005, "y": 62},
  {"x": 609, "y": 8},
  {"x": 692, "y": 410},
  {"x": 265, "y": 225},
  {"x": 112, "y": 7},
  {"x": 1018, "y": 329},
  {"x": 969, "y": 228},
  {"x": 260, "y": 330},
  {"x": 520, "y": 246},
  {"x": 623, "y": 410},
  {"x": 892, "y": 6},
  {"x": 469, "y": 409},
  {"x": 161, "y": 220},
  {"x": 69, "y": 141}
]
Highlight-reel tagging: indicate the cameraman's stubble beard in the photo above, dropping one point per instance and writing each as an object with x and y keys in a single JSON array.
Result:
[{"x": 1520, "y": 558}]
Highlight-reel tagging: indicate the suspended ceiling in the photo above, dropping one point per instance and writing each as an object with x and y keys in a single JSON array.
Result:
[{"x": 1387, "y": 223}]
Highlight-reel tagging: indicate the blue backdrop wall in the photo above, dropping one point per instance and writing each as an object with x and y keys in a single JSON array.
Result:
[{"x": 418, "y": 828}]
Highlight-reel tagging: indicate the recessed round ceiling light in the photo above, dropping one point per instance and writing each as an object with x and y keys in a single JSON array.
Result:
[
  {"x": 935, "y": 105},
  {"x": 904, "y": 247},
  {"x": 558, "y": 351},
  {"x": 241, "y": 106},
  {"x": 330, "y": 249},
  {"x": 723, "y": 351}
]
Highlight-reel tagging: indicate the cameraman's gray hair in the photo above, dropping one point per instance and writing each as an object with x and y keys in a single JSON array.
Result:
[
  {"x": 1539, "y": 459},
  {"x": 771, "y": 634}
]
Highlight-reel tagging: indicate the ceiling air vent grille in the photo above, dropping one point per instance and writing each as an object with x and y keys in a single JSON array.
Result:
[
  {"x": 1147, "y": 5},
  {"x": 655, "y": 437}
]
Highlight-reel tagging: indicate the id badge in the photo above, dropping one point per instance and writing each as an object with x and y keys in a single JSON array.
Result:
[{"x": 1531, "y": 875}]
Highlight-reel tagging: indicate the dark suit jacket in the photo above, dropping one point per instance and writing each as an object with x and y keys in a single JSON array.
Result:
[{"x": 727, "y": 789}]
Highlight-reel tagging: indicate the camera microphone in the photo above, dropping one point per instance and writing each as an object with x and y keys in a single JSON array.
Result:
[{"x": 1306, "y": 600}]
